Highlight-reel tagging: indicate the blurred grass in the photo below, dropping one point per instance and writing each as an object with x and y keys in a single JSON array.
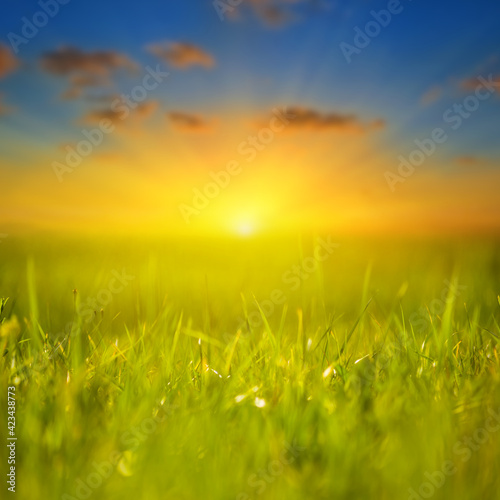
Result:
[{"x": 371, "y": 371}]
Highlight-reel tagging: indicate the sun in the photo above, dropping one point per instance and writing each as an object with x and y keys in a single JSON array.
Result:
[
  {"x": 245, "y": 223},
  {"x": 245, "y": 228}
]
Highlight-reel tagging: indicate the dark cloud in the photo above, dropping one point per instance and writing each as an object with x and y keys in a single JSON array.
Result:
[
  {"x": 84, "y": 70},
  {"x": 274, "y": 15},
  {"x": 121, "y": 114},
  {"x": 8, "y": 62},
  {"x": 71, "y": 61},
  {"x": 146, "y": 109},
  {"x": 186, "y": 122},
  {"x": 306, "y": 119},
  {"x": 273, "y": 12},
  {"x": 182, "y": 55},
  {"x": 96, "y": 115}
]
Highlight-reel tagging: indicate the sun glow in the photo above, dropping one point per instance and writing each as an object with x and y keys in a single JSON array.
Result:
[{"x": 245, "y": 228}]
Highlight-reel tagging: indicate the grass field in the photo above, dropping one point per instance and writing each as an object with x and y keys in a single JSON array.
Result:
[{"x": 286, "y": 368}]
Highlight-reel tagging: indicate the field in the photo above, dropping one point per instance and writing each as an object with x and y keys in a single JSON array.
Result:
[{"x": 252, "y": 368}]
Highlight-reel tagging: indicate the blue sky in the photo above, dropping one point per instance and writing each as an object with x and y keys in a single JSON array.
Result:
[{"x": 428, "y": 44}]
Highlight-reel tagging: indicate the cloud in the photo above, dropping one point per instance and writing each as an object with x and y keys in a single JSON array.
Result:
[
  {"x": 71, "y": 61},
  {"x": 120, "y": 114},
  {"x": 8, "y": 62},
  {"x": 146, "y": 109},
  {"x": 88, "y": 80},
  {"x": 103, "y": 98},
  {"x": 472, "y": 161},
  {"x": 471, "y": 84},
  {"x": 186, "y": 122},
  {"x": 182, "y": 55},
  {"x": 84, "y": 70},
  {"x": 79, "y": 83},
  {"x": 272, "y": 12},
  {"x": 432, "y": 95},
  {"x": 72, "y": 93},
  {"x": 273, "y": 15},
  {"x": 306, "y": 119}
]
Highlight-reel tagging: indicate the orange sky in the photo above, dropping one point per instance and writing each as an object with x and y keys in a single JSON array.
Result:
[{"x": 294, "y": 183}]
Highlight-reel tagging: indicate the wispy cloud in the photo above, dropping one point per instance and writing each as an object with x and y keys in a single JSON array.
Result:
[
  {"x": 85, "y": 70},
  {"x": 80, "y": 83},
  {"x": 182, "y": 55},
  {"x": 115, "y": 113},
  {"x": 71, "y": 61},
  {"x": 308, "y": 119},
  {"x": 273, "y": 13},
  {"x": 8, "y": 61},
  {"x": 470, "y": 84},
  {"x": 431, "y": 96},
  {"x": 473, "y": 161},
  {"x": 187, "y": 122}
]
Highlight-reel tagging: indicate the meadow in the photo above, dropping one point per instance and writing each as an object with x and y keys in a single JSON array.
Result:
[{"x": 252, "y": 368}]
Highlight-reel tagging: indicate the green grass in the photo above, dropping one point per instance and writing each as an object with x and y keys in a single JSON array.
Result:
[{"x": 371, "y": 374}]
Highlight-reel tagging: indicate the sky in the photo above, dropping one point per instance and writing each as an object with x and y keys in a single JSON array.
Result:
[{"x": 251, "y": 116}]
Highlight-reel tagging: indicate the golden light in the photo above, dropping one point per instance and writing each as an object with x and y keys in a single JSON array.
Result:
[{"x": 245, "y": 228}]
